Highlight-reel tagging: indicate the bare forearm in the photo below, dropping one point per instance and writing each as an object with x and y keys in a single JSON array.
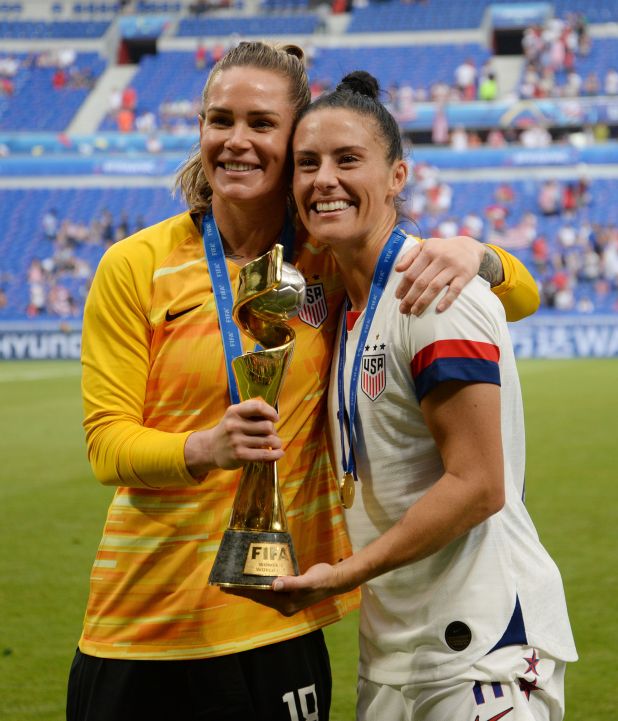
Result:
[
  {"x": 491, "y": 268},
  {"x": 451, "y": 508}
]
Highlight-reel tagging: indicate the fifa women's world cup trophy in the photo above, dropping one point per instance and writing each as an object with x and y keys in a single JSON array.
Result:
[{"x": 256, "y": 547}]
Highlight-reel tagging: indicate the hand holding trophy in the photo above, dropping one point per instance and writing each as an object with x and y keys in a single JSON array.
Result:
[{"x": 256, "y": 547}]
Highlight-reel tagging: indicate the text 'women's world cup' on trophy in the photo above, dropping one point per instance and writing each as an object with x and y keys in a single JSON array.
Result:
[{"x": 257, "y": 547}]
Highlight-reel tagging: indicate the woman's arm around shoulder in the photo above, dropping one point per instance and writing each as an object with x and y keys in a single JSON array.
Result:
[{"x": 436, "y": 263}]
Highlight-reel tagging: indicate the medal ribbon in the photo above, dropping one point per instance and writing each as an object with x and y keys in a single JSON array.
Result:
[
  {"x": 381, "y": 274},
  {"x": 222, "y": 288}
]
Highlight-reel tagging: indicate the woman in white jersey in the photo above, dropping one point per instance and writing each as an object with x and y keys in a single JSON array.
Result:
[{"x": 463, "y": 615}]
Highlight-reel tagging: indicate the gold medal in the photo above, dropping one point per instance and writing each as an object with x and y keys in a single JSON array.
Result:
[{"x": 347, "y": 490}]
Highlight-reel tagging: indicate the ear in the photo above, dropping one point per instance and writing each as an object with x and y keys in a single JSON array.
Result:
[
  {"x": 399, "y": 177},
  {"x": 200, "y": 118}
]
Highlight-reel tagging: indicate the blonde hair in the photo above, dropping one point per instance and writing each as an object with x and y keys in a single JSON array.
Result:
[{"x": 287, "y": 60}]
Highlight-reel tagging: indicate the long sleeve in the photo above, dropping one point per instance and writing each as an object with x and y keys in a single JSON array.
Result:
[
  {"x": 518, "y": 293},
  {"x": 115, "y": 362}
]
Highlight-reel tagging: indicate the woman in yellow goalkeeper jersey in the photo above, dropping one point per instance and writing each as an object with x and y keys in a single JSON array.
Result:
[{"x": 163, "y": 426}]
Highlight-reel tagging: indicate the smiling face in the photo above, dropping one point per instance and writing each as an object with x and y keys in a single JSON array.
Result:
[
  {"x": 245, "y": 133},
  {"x": 344, "y": 185}
]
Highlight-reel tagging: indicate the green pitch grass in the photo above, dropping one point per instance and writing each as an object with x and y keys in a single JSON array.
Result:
[{"x": 52, "y": 512}]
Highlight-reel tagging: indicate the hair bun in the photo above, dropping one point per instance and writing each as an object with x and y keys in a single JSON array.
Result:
[
  {"x": 360, "y": 82},
  {"x": 295, "y": 51}
]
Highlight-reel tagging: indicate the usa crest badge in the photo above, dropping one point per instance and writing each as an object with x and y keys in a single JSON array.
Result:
[
  {"x": 314, "y": 310},
  {"x": 373, "y": 375}
]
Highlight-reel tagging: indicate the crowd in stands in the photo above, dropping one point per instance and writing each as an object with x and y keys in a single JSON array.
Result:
[
  {"x": 64, "y": 62},
  {"x": 551, "y": 53},
  {"x": 574, "y": 260},
  {"x": 59, "y": 282},
  {"x": 123, "y": 108}
]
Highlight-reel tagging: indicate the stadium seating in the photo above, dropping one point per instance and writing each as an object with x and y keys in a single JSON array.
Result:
[
  {"x": 172, "y": 76},
  {"x": 153, "y": 204},
  {"x": 171, "y": 79},
  {"x": 396, "y": 15},
  {"x": 60, "y": 29},
  {"x": 420, "y": 65},
  {"x": 35, "y": 105},
  {"x": 21, "y": 215},
  {"x": 261, "y": 25}
]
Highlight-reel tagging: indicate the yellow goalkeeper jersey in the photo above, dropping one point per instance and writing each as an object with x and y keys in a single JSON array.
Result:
[{"x": 153, "y": 372}]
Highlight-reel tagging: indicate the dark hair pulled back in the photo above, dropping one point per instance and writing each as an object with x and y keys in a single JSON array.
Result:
[{"x": 359, "y": 91}]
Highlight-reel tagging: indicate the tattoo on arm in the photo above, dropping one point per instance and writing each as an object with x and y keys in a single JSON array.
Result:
[{"x": 491, "y": 268}]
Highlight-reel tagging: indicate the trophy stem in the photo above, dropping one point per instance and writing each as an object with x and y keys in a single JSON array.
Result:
[{"x": 257, "y": 505}]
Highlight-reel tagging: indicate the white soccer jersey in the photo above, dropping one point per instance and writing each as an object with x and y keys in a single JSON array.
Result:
[{"x": 496, "y": 585}]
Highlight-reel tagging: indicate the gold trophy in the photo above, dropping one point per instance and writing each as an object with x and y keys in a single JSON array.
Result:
[{"x": 257, "y": 547}]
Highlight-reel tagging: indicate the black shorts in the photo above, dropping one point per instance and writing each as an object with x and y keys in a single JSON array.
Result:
[{"x": 287, "y": 681}]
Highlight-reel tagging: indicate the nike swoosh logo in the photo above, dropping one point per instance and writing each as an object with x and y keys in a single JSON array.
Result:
[
  {"x": 497, "y": 716},
  {"x": 172, "y": 316}
]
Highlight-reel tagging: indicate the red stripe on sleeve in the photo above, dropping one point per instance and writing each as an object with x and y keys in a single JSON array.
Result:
[{"x": 453, "y": 349}]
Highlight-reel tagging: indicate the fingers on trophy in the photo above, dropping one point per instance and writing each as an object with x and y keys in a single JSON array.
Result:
[{"x": 257, "y": 547}]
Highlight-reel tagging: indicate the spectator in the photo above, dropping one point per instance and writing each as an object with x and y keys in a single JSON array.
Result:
[
  {"x": 536, "y": 136},
  {"x": 567, "y": 236},
  {"x": 610, "y": 259},
  {"x": 9, "y": 66},
  {"x": 573, "y": 84},
  {"x": 540, "y": 254},
  {"x": 610, "y": 84},
  {"x": 447, "y": 228},
  {"x": 7, "y": 88},
  {"x": 129, "y": 98},
  {"x": 459, "y": 139},
  {"x": 439, "y": 126},
  {"x": 107, "y": 227},
  {"x": 50, "y": 224},
  {"x": 488, "y": 88},
  {"x": 505, "y": 194},
  {"x": 582, "y": 191},
  {"x": 60, "y": 302},
  {"x": 465, "y": 79},
  {"x": 36, "y": 305},
  {"x": 59, "y": 79},
  {"x": 496, "y": 215},
  {"x": 146, "y": 122},
  {"x": 201, "y": 56},
  {"x": 600, "y": 132},
  {"x": 530, "y": 82},
  {"x": 115, "y": 101},
  {"x": 154, "y": 143},
  {"x": 591, "y": 85},
  {"x": 217, "y": 53},
  {"x": 495, "y": 138},
  {"x": 407, "y": 110},
  {"x": 125, "y": 119},
  {"x": 569, "y": 199},
  {"x": 549, "y": 198},
  {"x": 591, "y": 265},
  {"x": 472, "y": 225},
  {"x": 439, "y": 198},
  {"x": 561, "y": 292},
  {"x": 122, "y": 229}
]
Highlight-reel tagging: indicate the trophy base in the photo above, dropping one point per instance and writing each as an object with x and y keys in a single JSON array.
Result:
[{"x": 253, "y": 559}]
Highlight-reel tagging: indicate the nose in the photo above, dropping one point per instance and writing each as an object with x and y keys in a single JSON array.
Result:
[
  {"x": 237, "y": 137},
  {"x": 326, "y": 176}
]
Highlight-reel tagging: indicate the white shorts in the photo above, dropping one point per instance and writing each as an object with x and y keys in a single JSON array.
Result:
[{"x": 513, "y": 683}]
